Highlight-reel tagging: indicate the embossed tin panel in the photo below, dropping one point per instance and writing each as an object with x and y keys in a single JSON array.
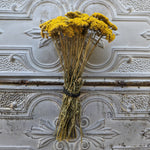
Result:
[{"x": 115, "y": 98}]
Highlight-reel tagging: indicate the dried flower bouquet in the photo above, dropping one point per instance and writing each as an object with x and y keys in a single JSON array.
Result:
[{"x": 73, "y": 36}]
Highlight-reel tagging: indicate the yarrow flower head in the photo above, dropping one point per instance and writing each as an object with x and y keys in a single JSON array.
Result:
[{"x": 77, "y": 23}]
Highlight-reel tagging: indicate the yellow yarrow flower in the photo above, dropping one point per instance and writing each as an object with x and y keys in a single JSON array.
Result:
[
  {"x": 73, "y": 15},
  {"x": 100, "y": 16},
  {"x": 69, "y": 31},
  {"x": 97, "y": 24},
  {"x": 77, "y": 23}
]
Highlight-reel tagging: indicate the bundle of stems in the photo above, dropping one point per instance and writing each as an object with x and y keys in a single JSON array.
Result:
[
  {"x": 74, "y": 54},
  {"x": 73, "y": 38}
]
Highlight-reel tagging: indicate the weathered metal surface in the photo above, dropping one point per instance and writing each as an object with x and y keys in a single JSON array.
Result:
[{"x": 115, "y": 97}]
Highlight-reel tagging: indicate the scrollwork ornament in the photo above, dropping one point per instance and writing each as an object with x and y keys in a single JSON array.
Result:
[
  {"x": 85, "y": 122},
  {"x": 62, "y": 145},
  {"x": 85, "y": 144}
]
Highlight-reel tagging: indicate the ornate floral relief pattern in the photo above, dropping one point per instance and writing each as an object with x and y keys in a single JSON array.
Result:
[
  {"x": 14, "y": 66},
  {"x": 12, "y": 99},
  {"x": 146, "y": 35},
  {"x": 94, "y": 134},
  {"x": 136, "y": 65},
  {"x": 135, "y": 102},
  {"x": 146, "y": 133},
  {"x": 97, "y": 133},
  {"x": 45, "y": 133},
  {"x": 35, "y": 34},
  {"x": 10, "y": 4},
  {"x": 23, "y": 61},
  {"x": 137, "y": 5},
  {"x": 20, "y": 104},
  {"x": 23, "y": 9}
]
